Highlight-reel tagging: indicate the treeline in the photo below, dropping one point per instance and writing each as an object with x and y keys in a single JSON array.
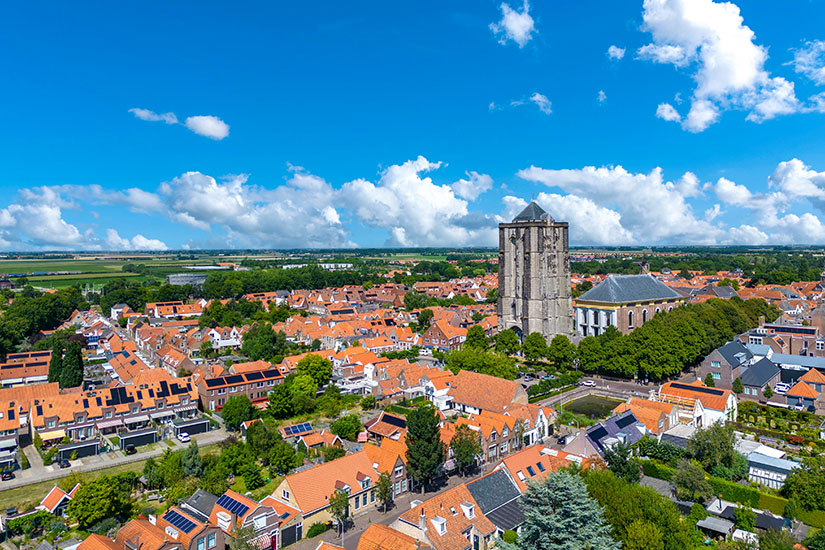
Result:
[
  {"x": 234, "y": 284},
  {"x": 672, "y": 341},
  {"x": 32, "y": 311},
  {"x": 136, "y": 295}
]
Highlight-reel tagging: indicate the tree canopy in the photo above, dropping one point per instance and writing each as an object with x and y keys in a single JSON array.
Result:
[{"x": 425, "y": 450}]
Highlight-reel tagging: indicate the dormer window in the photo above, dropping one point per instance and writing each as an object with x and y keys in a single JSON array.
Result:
[
  {"x": 469, "y": 509},
  {"x": 440, "y": 525}
]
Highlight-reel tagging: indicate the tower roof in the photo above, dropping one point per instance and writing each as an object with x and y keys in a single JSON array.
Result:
[{"x": 532, "y": 212}]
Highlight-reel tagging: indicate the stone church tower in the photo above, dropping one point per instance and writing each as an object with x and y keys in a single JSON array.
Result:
[{"x": 534, "y": 293}]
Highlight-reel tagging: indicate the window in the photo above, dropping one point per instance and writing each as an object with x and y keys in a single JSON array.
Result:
[
  {"x": 357, "y": 503},
  {"x": 716, "y": 364},
  {"x": 285, "y": 494},
  {"x": 403, "y": 485},
  {"x": 531, "y": 471},
  {"x": 372, "y": 496},
  {"x": 397, "y": 487},
  {"x": 630, "y": 319},
  {"x": 399, "y": 471},
  {"x": 259, "y": 521},
  {"x": 492, "y": 436},
  {"x": 820, "y": 345},
  {"x": 717, "y": 375},
  {"x": 201, "y": 543},
  {"x": 364, "y": 500},
  {"x": 211, "y": 540},
  {"x": 644, "y": 316}
]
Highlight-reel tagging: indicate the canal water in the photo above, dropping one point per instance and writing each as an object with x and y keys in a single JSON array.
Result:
[{"x": 592, "y": 406}]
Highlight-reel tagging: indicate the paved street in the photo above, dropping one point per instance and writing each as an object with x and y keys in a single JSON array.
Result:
[{"x": 38, "y": 472}]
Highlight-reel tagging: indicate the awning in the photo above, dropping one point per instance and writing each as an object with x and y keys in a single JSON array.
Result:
[
  {"x": 262, "y": 542},
  {"x": 162, "y": 414},
  {"x": 187, "y": 408},
  {"x": 136, "y": 419},
  {"x": 110, "y": 423},
  {"x": 54, "y": 434},
  {"x": 8, "y": 443}
]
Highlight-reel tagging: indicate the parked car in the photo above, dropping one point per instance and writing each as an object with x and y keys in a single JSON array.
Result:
[
  {"x": 7, "y": 475},
  {"x": 63, "y": 463},
  {"x": 782, "y": 387},
  {"x": 130, "y": 449},
  {"x": 183, "y": 437},
  {"x": 588, "y": 383},
  {"x": 11, "y": 512}
]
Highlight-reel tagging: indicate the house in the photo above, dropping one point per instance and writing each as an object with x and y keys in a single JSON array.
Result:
[
  {"x": 309, "y": 490},
  {"x": 256, "y": 385},
  {"x": 624, "y": 302},
  {"x": 233, "y": 511},
  {"x": 442, "y": 335},
  {"x": 622, "y": 428},
  {"x": 473, "y": 392},
  {"x": 225, "y": 337},
  {"x": 769, "y": 470},
  {"x": 499, "y": 500},
  {"x": 176, "y": 529},
  {"x": 386, "y": 425},
  {"x": 718, "y": 405},
  {"x": 23, "y": 369},
  {"x": 533, "y": 464},
  {"x": 390, "y": 458},
  {"x": 726, "y": 363},
  {"x": 759, "y": 376},
  {"x": 57, "y": 500},
  {"x": 451, "y": 520},
  {"x": 657, "y": 417},
  {"x": 382, "y": 537},
  {"x": 320, "y": 440}
]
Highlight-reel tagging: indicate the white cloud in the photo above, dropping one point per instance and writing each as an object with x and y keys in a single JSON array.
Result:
[
  {"x": 413, "y": 209},
  {"x": 151, "y": 116},
  {"x": 114, "y": 241},
  {"x": 475, "y": 185},
  {"x": 208, "y": 126},
  {"x": 810, "y": 60},
  {"x": 651, "y": 209},
  {"x": 666, "y": 111},
  {"x": 515, "y": 25},
  {"x": 615, "y": 52},
  {"x": 543, "y": 103},
  {"x": 728, "y": 65},
  {"x": 746, "y": 234},
  {"x": 796, "y": 180},
  {"x": 602, "y": 97}
]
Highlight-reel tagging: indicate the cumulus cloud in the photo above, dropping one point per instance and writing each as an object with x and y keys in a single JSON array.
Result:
[
  {"x": 542, "y": 102},
  {"x": 668, "y": 112},
  {"x": 615, "y": 52},
  {"x": 651, "y": 210},
  {"x": 810, "y": 60},
  {"x": 114, "y": 241},
  {"x": 151, "y": 116},
  {"x": 208, "y": 126},
  {"x": 727, "y": 64},
  {"x": 517, "y": 26},
  {"x": 203, "y": 125},
  {"x": 473, "y": 186},
  {"x": 602, "y": 97}
]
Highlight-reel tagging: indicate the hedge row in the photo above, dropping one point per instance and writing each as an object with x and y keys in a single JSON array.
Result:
[
  {"x": 659, "y": 471},
  {"x": 814, "y": 518},
  {"x": 772, "y": 503}
]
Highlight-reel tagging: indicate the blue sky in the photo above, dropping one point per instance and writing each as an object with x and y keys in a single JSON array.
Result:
[{"x": 315, "y": 124}]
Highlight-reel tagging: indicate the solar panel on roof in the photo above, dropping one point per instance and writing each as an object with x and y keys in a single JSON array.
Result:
[
  {"x": 212, "y": 382},
  {"x": 700, "y": 389},
  {"x": 233, "y": 506},
  {"x": 179, "y": 521},
  {"x": 254, "y": 376},
  {"x": 626, "y": 421},
  {"x": 234, "y": 379},
  {"x": 598, "y": 433}
]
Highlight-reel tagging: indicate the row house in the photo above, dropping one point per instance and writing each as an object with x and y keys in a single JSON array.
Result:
[
  {"x": 378, "y": 345},
  {"x": 256, "y": 385},
  {"x": 791, "y": 339},
  {"x": 174, "y": 309},
  {"x": 152, "y": 396},
  {"x": 15, "y": 410},
  {"x": 225, "y": 337},
  {"x": 443, "y": 335},
  {"x": 23, "y": 369},
  {"x": 279, "y": 297}
]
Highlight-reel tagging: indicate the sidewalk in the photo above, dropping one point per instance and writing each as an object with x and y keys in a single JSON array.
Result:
[{"x": 38, "y": 472}]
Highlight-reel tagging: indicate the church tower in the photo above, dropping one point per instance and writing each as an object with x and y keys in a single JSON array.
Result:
[{"x": 534, "y": 293}]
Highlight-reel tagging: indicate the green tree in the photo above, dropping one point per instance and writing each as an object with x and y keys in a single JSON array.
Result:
[
  {"x": 709, "y": 381},
  {"x": 425, "y": 317},
  {"x": 206, "y": 349},
  {"x": 737, "y": 386},
  {"x": 71, "y": 374},
  {"x": 744, "y": 518},
  {"x": 191, "y": 460},
  {"x": 425, "y": 450},
  {"x": 56, "y": 362},
  {"x": 260, "y": 439},
  {"x": 806, "y": 485},
  {"x": 237, "y": 410},
  {"x": 339, "y": 509},
  {"x": 282, "y": 458},
  {"x": 642, "y": 535},
  {"x": 252, "y": 477},
  {"x": 485, "y": 362},
  {"x": 347, "y": 427},
  {"x": 466, "y": 447},
  {"x": 280, "y": 402},
  {"x": 817, "y": 542},
  {"x": 368, "y": 402},
  {"x": 332, "y": 453},
  {"x": 620, "y": 461},
  {"x": 685, "y": 274},
  {"x": 316, "y": 367},
  {"x": 561, "y": 352},
  {"x": 383, "y": 490},
  {"x": 767, "y": 392},
  {"x": 713, "y": 445},
  {"x": 304, "y": 384},
  {"x": 776, "y": 540},
  {"x": 97, "y": 500},
  {"x": 534, "y": 347},
  {"x": 507, "y": 342},
  {"x": 560, "y": 515},
  {"x": 690, "y": 481},
  {"x": 476, "y": 339}
]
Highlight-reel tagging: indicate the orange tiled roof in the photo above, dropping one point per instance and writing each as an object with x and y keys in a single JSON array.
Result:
[
  {"x": 483, "y": 391},
  {"x": 709, "y": 401},
  {"x": 813, "y": 375},
  {"x": 801, "y": 389},
  {"x": 381, "y": 537},
  {"x": 550, "y": 459},
  {"x": 53, "y": 499},
  {"x": 98, "y": 542}
]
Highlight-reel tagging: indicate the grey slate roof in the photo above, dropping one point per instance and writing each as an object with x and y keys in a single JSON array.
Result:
[
  {"x": 201, "y": 502},
  {"x": 731, "y": 350},
  {"x": 766, "y": 462},
  {"x": 532, "y": 212},
  {"x": 763, "y": 519},
  {"x": 624, "y": 423},
  {"x": 759, "y": 373},
  {"x": 618, "y": 289},
  {"x": 717, "y": 525},
  {"x": 493, "y": 490},
  {"x": 674, "y": 440},
  {"x": 801, "y": 360},
  {"x": 508, "y": 516}
]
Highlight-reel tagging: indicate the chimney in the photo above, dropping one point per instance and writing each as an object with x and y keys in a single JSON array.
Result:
[{"x": 422, "y": 521}]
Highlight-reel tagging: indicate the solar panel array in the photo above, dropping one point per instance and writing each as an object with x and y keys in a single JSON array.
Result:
[
  {"x": 298, "y": 429},
  {"x": 232, "y": 506},
  {"x": 626, "y": 421},
  {"x": 179, "y": 521},
  {"x": 700, "y": 389}
]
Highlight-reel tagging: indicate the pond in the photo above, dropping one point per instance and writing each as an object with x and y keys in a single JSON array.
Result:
[{"x": 592, "y": 406}]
